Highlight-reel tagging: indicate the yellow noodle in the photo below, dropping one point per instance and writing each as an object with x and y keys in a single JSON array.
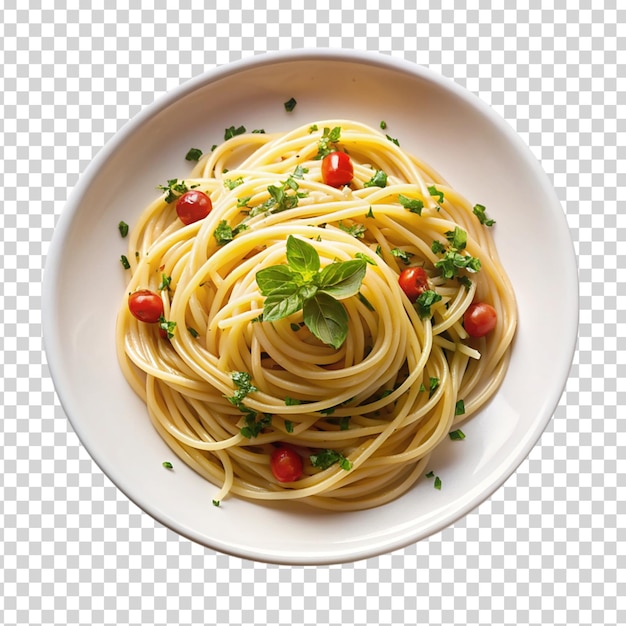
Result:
[{"x": 370, "y": 400}]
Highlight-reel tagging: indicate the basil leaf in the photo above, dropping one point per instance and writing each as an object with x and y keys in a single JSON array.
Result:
[
  {"x": 275, "y": 278},
  {"x": 457, "y": 238},
  {"x": 279, "y": 305},
  {"x": 341, "y": 280},
  {"x": 327, "y": 319},
  {"x": 302, "y": 257}
]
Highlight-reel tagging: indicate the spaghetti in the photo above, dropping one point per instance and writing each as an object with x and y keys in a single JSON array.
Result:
[{"x": 327, "y": 356}]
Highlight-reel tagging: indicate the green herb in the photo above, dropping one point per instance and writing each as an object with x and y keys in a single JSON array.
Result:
[
  {"x": 124, "y": 262},
  {"x": 300, "y": 171},
  {"x": 165, "y": 282},
  {"x": 231, "y": 184},
  {"x": 459, "y": 408},
  {"x": 324, "y": 459},
  {"x": 411, "y": 204},
  {"x": 433, "y": 191},
  {"x": 213, "y": 147},
  {"x": 479, "y": 212},
  {"x": 173, "y": 190},
  {"x": 465, "y": 281},
  {"x": 430, "y": 474},
  {"x": 313, "y": 128},
  {"x": 282, "y": 197},
  {"x": 258, "y": 131},
  {"x": 378, "y": 180},
  {"x": 243, "y": 202},
  {"x": 253, "y": 426},
  {"x": 292, "y": 401},
  {"x": 437, "y": 247},
  {"x": 289, "y": 426},
  {"x": 194, "y": 154},
  {"x": 437, "y": 483},
  {"x": 453, "y": 260},
  {"x": 457, "y": 238},
  {"x": 365, "y": 257},
  {"x": 123, "y": 228},
  {"x": 383, "y": 125},
  {"x": 424, "y": 301},
  {"x": 193, "y": 332},
  {"x": 224, "y": 233},
  {"x": 295, "y": 327},
  {"x": 216, "y": 502},
  {"x": 370, "y": 213},
  {"x": 356, "y": 230},
  {"x": 301, "y": 284},
  {"x": 393, "y": 140},
  {"x": 290, "y": 105},
  {"x": 456, "y": 435},
  {"x": 329, "y": 137},
  {"x": 433, "y": 383},
  {"x": 244, "y": 386},
  {"x": 344, "y": 423},
  {"x": 167, "y": 465},
  {"x": 403, "y": 255},
  {"x": 231, "y": 132},
  {"x": 167, "y": 326}
]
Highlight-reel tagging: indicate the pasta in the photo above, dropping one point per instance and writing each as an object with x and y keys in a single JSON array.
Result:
[{"x": 358, "y": 379}]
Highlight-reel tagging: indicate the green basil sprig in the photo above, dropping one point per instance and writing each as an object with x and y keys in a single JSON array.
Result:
[{"x": 301, "y": 284}]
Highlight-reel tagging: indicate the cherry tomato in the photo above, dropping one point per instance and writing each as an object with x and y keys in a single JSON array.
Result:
[
  {"x": 286, "y": 465},
  {"x": 193, "y": 206},
  {"x": 414, "y": 282},
  {"x": 337, "y": 169},
  {"x": 145, "y": 305},
  {"x": 479, "y": 319}
]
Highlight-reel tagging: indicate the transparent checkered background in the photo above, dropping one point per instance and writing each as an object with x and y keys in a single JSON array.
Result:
[{"x": 547, "y": 548}]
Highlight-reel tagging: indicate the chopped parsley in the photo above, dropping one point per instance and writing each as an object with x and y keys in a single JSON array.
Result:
[
  {"x": 224, "y": 233},
  {"x": 313, "y": 128},
  {"x": 232, "y": 183},
  {"x": 254, "y": 424},
  {"x": 325, "y": 458},
  {"x": 167, "y": 465},
  {"x": 244, "y": 386},
  {"x": 290, "y": 105},
  {"x": 165, "y": 282},
  {"x": 378, "y": 180},
  {"x": 424, "y": 301},
  {"x": 411, "y": 204},
  {"x": 437, "y": 483},
  {"x": 433, "y": 191},
  {"x": 383, "y": 125},
  {"x": 193, "y": 332},
  {"x": 194, "y": 154},
  {"x": 282, "y": 197},
  {"x": 403, "y": 255},
  {"x": 258, "y": 131},
  {"x": 479, "y": 212},
  {"x": 459, "y": 408},
  {"x": 231, "y": 132},
  {"x": 167, "y": 326},
  {"x": 124, "y": 262},
  {"x": 123, "y": 228},
  {"x": 216, "y": 502},
  {"x": 356, "y": 230},
  {"x": 393, "y": 140},
  {"x": 433, "y": 383},
  {"x": 453, "y": 260},
  {"x": 329, "y": 137},
  {"x": 289, "y": 426},
  {"x": 173, "y": 189},
  {"x": 456, "y": 435}
]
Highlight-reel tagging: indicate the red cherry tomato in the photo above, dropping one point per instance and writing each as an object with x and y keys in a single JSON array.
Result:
[
  {"x": 479, "y": 319},
  {"x": 193, "y": 206},
  {"x": 286, "y": 465},
  {"x": 414, "y": 282},
  {"x": 145, "y": 305},
  {"x": 337, "y": 169}
]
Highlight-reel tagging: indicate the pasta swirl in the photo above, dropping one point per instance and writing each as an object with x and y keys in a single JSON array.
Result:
[{"x": 228, "y": 387}]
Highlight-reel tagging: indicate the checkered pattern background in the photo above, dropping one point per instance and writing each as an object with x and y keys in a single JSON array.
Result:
[{"x": 547, "y": 548}]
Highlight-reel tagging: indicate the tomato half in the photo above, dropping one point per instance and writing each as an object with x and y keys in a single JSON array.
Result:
[
  {"x": 337, "y": 169},
  {"x": 193, "y": 206},
  {"x": 414, "y": 282},
  {"x": 479, "y": 319},
  {"x": 145, "y": 305},
  {"x": 286, "y": 465}
]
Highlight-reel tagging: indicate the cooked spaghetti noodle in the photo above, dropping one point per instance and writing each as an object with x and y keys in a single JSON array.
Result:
[{"x": 228, "y": 388}]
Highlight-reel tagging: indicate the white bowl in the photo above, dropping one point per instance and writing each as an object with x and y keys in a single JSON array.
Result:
[{"x": 470, "y": 145}]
